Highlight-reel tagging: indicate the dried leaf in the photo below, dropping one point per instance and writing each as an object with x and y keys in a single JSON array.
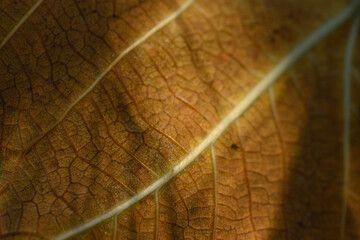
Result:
[{"x": 151, "y": 119}]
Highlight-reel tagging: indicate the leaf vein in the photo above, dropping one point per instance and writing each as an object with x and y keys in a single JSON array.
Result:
[
  {"x": 20, "y": 23},
  {"x": 223, "y": 125},
  {"x": 142, "y": 39},
  {"x": 346, "y": 118}
]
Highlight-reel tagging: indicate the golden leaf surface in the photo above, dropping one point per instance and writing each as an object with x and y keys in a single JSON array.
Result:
[{"x": 110, "y": 111}]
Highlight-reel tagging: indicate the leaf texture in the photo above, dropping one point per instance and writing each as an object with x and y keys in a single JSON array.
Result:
[{"x": 101, "y": 99}]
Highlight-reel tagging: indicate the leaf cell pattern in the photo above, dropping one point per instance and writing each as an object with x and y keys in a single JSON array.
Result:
[{"x": 101, "y": 99}]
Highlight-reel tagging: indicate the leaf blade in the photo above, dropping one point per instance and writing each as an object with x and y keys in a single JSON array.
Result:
[{"x": 240, "y": 108}]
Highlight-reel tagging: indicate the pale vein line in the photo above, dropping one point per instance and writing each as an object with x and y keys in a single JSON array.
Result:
[
  {"x": 115, "y": 227},
  {"x": 213, "y": 161},
  {"x": 346, "y": 117},
  {"x": 139, "y": 41},
  {"x": 238, "y": 110},
  {"x": 157, "y": 214},
  {"x": 283, "y": 146},
  {"x": 294, "y": 80},
  {"x": 273, "y": 104},
  {"x": 20, "y": 23}
]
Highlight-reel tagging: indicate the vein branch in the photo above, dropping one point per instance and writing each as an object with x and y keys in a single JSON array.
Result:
[
  {"x": 115, "y": 227},
  {"x": 20, "y": 23},
  {"x": 213, "y": 161},
  {"x": 157, "y": 219},
  {"x": 346, "y": 118}
]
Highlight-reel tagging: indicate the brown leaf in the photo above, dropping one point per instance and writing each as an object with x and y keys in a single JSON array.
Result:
[{"x": 114, "y": 121}]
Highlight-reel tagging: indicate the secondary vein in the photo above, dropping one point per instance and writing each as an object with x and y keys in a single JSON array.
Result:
[
  {"x": 20, "y": 23},
  {"x": 346, "y": 118}
]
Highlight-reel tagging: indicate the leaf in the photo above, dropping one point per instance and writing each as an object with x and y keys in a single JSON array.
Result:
[{"x": 158, "y": 120}]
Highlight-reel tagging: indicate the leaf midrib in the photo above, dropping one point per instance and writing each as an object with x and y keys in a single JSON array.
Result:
[{"x": 238, "y": 110}]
